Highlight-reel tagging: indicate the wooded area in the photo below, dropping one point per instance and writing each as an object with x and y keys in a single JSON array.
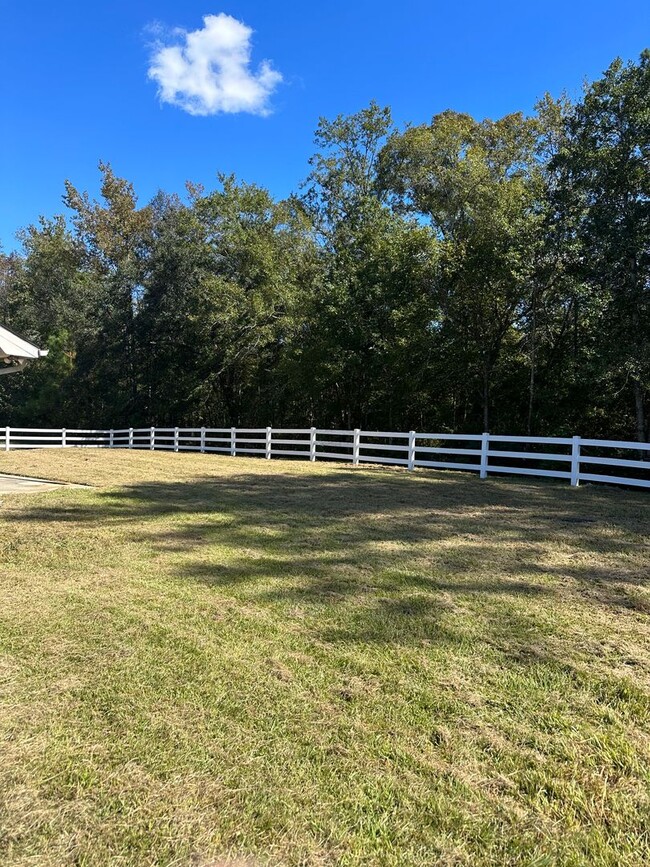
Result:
[{"x": 457, "y": 275}]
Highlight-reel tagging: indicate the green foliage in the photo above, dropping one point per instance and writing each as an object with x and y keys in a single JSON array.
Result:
[
  {"x": 605, "y": 199},
  {"x": 459, "y": 275},
  {"x": 45, "y": 383},
  {"x": 227, "y": 282},
  {"x": 479, "y": 185}
]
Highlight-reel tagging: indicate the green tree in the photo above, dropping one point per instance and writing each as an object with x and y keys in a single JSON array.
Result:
[
  {"x": 363, "y": 360},
  {"x": 116, "y": 234},
  {"x": 224, "y": 296},
  {"x": 49, "y": 297},
  {"x": 604, "y": 196},
  {"x": 479, "y": 184}
]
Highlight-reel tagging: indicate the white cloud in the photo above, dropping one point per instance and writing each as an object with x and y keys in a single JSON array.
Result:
[{"x": 208, "y": 71}]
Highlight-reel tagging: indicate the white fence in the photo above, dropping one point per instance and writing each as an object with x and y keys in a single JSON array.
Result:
[{"x": 571, "y": 458}]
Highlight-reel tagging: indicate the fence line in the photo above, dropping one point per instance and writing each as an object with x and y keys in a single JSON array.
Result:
[{"x": 554, "y": 457}]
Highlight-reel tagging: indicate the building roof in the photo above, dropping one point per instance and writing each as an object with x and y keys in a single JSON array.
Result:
[{"x": 15, "y": 351}]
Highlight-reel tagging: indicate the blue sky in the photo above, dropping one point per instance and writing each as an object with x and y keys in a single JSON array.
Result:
[{"x": 76, "y": 86}]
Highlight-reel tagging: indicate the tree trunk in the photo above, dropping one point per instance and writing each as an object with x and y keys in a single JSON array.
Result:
[
  {"x": 640, "y": 417},
  {"x": 531, "y": 383},
  {"x": 486, "y": 397}
]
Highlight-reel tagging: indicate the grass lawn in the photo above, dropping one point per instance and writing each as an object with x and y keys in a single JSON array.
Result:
[{"x": 204, "y": 658}]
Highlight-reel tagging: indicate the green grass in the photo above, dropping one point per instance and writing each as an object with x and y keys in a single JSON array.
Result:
[{"x": 204, "y": 659}]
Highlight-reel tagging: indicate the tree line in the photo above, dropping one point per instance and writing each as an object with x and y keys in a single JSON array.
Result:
[{"x": 457, "y": 275}]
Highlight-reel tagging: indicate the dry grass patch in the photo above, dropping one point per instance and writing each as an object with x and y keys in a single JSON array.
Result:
[{"x": 206, "y": 658}]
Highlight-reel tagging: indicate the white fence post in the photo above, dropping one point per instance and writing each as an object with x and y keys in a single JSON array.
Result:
[
  {"x": 175, "y": 439},
  {"x": 312, "y": 444},
  {"x": 355, "y": 446},
  {"x": 411, "y": 449},
  {"x": 575, "y": 462},
  {"x": 202, "y": 440},
  {"x": 7, "y": 438},
  {"x": 152, "y": 438},
  {"x": 130, "y": 437},
  {"x": 111, "y": 438},
  {"x": 485, "y": 446},
  {"x": 233, "y": 442},
  {"x": 269, "y": 431},
  {"x": 63, "y": 437}
]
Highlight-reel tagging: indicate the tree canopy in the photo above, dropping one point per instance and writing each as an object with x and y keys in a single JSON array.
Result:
[{"x": 461, "y": 275}]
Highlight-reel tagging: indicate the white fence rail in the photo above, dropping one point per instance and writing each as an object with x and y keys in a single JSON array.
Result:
[{"x": 571, "y": 458}]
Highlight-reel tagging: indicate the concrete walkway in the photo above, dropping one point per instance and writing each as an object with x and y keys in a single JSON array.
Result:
[{"x": 25, "y": 485}]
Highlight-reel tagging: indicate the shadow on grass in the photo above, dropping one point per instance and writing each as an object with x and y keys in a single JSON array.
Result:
[{"x": 403, "y": 548}]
